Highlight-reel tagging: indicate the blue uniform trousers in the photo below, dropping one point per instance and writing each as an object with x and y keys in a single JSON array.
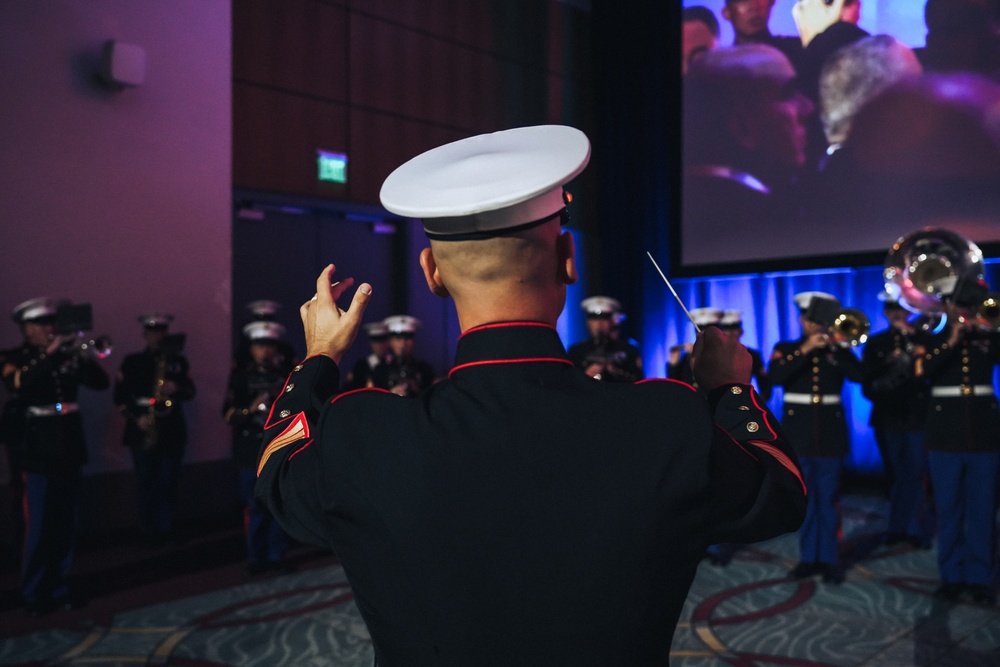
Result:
[
  {"x": 818, "y": 534},
  {"x": 51, "y": 501},
  {"x": 266, "y": 541},
  {"x": 965, "y": 487},
  {"x": 158, "y": 471},
  {"x": 905, "y": 450}
]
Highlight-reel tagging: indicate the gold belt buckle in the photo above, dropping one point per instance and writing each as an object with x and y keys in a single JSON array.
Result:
[
  {"x": 966, "y": 390},
  {"x": 816, "y": 398}
]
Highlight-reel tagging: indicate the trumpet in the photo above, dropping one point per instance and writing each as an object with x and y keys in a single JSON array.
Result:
[
  {"x": 849, "y": 329},
  {"x": 99, "y": 346}
]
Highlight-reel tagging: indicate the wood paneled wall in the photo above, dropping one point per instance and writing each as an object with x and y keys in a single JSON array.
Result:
[{"x": 383, "y": 80}]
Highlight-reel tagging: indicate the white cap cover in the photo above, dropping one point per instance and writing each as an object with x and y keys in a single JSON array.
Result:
[
  {"x": 33, "y": 309},
  {"x": 601, "y": 305},
  {"x": 155, "y": 320},
  {"x": 401, "y": 324},
  {"x": 731, "y": 318},
  {"x": 704, "y": 317},
  {"x": 264, "y": 331},
  {"x": 490, "y": 182}
]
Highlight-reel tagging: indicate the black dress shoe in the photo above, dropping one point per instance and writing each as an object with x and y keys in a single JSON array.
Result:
[
  {"x": 983, "y": 595},
  {"x": 831, "y": 573},
  {"x": 951, "y": 591},
  {"x": 804, "y": 569}
]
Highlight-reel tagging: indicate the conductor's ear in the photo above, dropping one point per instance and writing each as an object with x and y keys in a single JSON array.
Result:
[
  {"x": 431, "y": 274},
  {"x": 566, "y": 248}
]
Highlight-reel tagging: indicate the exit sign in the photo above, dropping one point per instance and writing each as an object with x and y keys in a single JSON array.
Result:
[{"x": 332, "y": 166}]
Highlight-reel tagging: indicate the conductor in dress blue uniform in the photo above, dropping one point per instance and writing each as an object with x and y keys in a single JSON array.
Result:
[
  {"x": 963, "y": 446},
  {"x": 517, "y": 512},
  {"x": 895, "y": 384},
  {"x": 150, "y": 389},
  {"x": 43, "y": 378},
  {"x": 252, "y": 389},
  {"x": 812, "y": 370},
  {"x": 603, "y": 356}
]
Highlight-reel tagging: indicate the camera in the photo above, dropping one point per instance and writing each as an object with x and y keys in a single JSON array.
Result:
[{"x": 74, "y": 318}]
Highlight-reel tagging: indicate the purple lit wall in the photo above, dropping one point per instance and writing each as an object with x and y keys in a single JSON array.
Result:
[{"x": 121, "y": 199}]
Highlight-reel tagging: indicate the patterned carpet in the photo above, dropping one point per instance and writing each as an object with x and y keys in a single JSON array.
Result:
[{"x": 746, "y": 614}]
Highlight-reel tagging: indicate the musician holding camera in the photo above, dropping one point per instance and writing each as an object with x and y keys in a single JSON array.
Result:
[
  {"x": 253, "y": 387},
  {"x": 149, "y": 391},
  {"x": 43, "y": 378},
  {"x": 812, "y": 371}
]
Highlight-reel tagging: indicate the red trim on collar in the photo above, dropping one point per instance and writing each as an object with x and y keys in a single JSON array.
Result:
[
  {"x": 681, "y": 383},
  {"x": 529, "y": 360},
  {"x": 500, "y": 325},
  {"x": 358, "y": 391}
]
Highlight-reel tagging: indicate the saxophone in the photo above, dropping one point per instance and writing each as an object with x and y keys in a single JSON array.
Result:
[{"x": 159, "y": 405}]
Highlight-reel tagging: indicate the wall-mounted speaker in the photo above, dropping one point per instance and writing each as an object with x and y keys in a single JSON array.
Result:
[{"x": 123, "y": 64}]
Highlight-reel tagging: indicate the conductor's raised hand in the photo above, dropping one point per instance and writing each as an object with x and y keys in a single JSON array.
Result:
[
  {"x": 329, "y": 330},
  {"x": 719, "y": 359}
]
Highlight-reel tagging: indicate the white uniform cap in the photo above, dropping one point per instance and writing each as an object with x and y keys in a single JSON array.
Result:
[
  {"x": 704, "y": 317},
  {"x": 156, "y": 320},
  {"x": 263, "y": 308},
  {"x": 601, "y": 306},
  {"x": 401, "y": 324},
  {"x": 484, "y": 185},
  {"x": 34, "y": 309},
  {"x": 803, "y": 299},
  {"x": 731, "y": 318},
  {"x": 264, "y": 331},
  {"x": 376, "y": 330}
]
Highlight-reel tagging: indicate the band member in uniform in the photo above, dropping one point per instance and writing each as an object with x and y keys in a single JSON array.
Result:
[
  {"x": 812, "y": 371},
  {"x": 963, "y": 447},
  {"x": 402, "y": 373},
  {"x": 679, "y": 360},
  {"x": 261, "y": 310},
  {"x": 252, "y": 390},
  {"x": 895, "y": 385},
  {"x": 732, "y": 323},
  {"x": 378, "y": 341},
  {"x": 519, "y": 512},
  {"x": 603, "y": 356},
  {"x": 150, "y": 390},
  {"x": 43, "y": 378}
]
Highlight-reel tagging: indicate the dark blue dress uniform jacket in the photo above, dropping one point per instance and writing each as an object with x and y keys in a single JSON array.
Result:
[
  {"x": 965, "y": 418},
  {"x": 48, "y": 443},
  {"x": 815, "y": 428},
  {"x": 519, "y": 512}
]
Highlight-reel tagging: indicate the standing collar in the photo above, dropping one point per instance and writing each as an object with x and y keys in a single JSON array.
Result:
[{"x": 509, "y": 342}]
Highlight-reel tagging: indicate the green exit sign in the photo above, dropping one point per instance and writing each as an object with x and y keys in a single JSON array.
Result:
[{"x": 332, "y": 166}]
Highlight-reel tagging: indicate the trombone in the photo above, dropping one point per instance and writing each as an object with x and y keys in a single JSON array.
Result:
[{"x": 849, "y": 329}]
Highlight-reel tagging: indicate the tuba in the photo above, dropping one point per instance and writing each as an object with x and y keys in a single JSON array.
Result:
[{"x": 925, "y": 269}]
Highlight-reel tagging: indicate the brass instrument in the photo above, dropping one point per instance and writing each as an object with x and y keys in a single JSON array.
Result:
[
  {"x": 850, "y": 328},
  {"x": 926, "y": 268},
  {"x": 99, "y": 346},
  {"x": 160, "y": 404}
]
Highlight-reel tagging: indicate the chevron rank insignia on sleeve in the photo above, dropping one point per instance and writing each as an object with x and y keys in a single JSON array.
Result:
[{"x": 297, "y": 429}]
